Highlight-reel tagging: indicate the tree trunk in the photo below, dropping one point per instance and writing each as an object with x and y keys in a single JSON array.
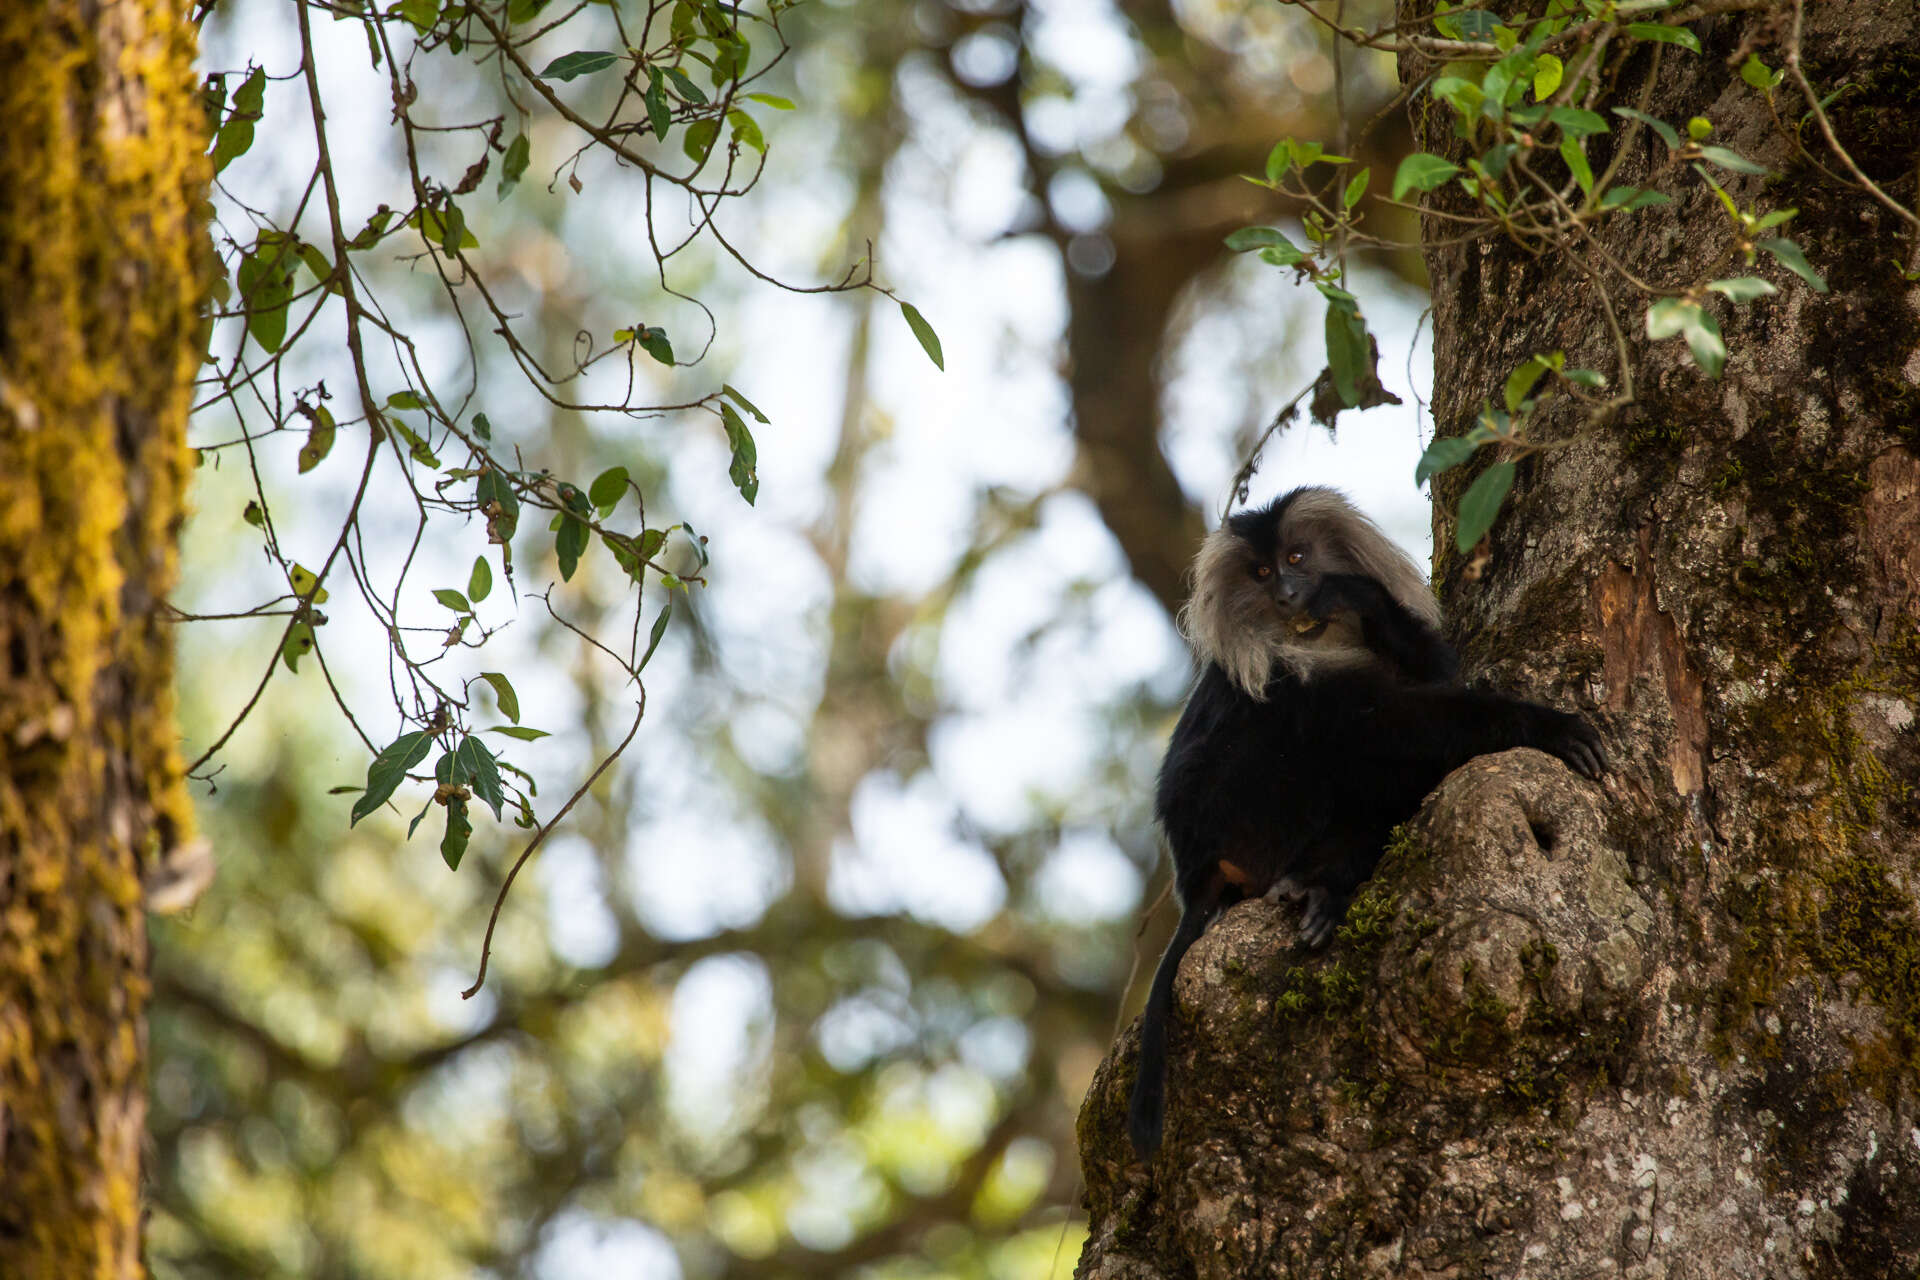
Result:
[
  {"x": 1668, "y": 1027},
  {"x": 101, "y": 188}
]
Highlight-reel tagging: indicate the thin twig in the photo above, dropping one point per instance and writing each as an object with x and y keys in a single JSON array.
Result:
[
  {"x": 486, "y": 945},
  {"x": 1826, "y": 125}
]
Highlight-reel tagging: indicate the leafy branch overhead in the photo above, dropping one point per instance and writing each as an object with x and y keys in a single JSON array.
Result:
[
  {"x": 1530, "y": 92},
  {"x": 323, "y": 341}
]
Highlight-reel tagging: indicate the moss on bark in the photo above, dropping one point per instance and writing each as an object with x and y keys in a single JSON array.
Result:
[{"x": 102, "y": 183}]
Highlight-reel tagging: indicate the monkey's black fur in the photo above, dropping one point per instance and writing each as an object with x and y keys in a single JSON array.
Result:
[{"x": 1303, "y": 746}]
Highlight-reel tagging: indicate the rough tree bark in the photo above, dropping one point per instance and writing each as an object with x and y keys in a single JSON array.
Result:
[
  {"x": 101, "y": 187},
  {"x": 1669, "y": 1027}
]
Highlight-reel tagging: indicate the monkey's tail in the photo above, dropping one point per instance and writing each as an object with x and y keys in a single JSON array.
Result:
[{"x": 1147, "y": 1113}]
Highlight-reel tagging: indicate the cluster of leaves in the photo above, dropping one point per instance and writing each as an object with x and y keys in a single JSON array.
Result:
[
  {"x": 659, "y": 104},
  {"x": 1523, "y": 94}
]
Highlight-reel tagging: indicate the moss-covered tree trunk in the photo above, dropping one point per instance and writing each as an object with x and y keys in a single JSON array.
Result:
[
  {"x": 101, "y": 183},
  {"x": 1668, "y": 1027}
]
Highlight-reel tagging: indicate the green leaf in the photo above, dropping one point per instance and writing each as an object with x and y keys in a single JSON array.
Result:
[
  {"x": 1279, "y": 160},
  {"x": 389, "y": 768},
  {"x": 1670, "y": 316},
  {"x": 1704, "y": 341},
  {"x": 1759, "y": 74},
  {"x": 1480, "y": 504},
  {"x": 746, "y": 457},
  {"x": 655, "y": 343},
  {"x": 1347, "y": 350},
  {"x": 416, "y": 443},
  {"x": 1665, "y": 318},
  {"x": 1742, "y": 288},
  {"x": 773, "y": 100},
  {"x": 315, "y": 261},
  {"x": 433, "y": 225},
  {"x": 1443, "y": 455},
  {"x": 607, "y": 488},
  {"x": 658, "y": 114},
  {"x": 455, "y": 236},
  {"x": 1463, "y": 95},
  {"x": 653, "y": 640},
  {"x": 688, "y": 89},
  {"x": 1548, "y": 71},
  {"x": 1521, "y": 381},
  {"x": 302, "y": 580},
  {"x": 727, "y": 390},
  {"x": 1627, "y": 199},
  {"x": 1574, "y": 152},
  {"x": 452, "y": 599},
  {"x": 376, "y": 226},
  {"x": 1356, "y": 188},
  {"x": 1585, "y": 377},
  {"x": 453, "y": 844},
  {"x": 481, "y": 427},
  {"x": 1247, "y": 238},
  {"x": 1795, "y": 261},
  {"x": 517, "y": 731},
  {"x": 1699, "y": 127},
  {"x": 1661, "y": 127},
  {"x": 514, "y": 163},
  {"x": 236, "y": 135},
  {"x": 265, "y": 280},
  {"x": 1475, "y": 24},
  {"x": 480, "y": 581},
  {"x": 697, "y": 141},
  {"x": 929, "y": 340},
  {"x": 320, "y": 433},
  {"x": 1732, "y": 160},
  {"x": 1421, "y": 171},
  {"x": 572, "y": 540},
  {"x": 1576, "y": 123},
  {"x": 473, "y": 759},
  {"x": 493, "y": 488},
  {"x": 405, "y": 400},
  {"x": 421, "y": 13},
  {"x": 297, "y": 644},
  {"x": 580, "y": 62},
  {"x": 747, "y": 130},
  {"x": 1667, "y": 35}
]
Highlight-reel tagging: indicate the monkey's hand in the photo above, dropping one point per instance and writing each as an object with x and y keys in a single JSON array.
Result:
[
  {"x": 1572, "y": 739},
  {"x": 1347, "y": 593}
]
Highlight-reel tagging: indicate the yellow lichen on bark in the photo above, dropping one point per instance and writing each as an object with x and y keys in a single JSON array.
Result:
[{"x": 102, "y": 191}]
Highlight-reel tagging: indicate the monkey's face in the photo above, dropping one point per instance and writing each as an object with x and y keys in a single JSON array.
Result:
[{"x": 1256, "y": 575}]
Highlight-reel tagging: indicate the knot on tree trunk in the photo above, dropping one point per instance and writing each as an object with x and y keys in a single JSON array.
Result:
[{"x": 1515, "y": 940}]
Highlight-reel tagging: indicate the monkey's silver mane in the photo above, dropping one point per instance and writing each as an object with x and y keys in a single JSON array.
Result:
[{"x": 1230, "y": 620}]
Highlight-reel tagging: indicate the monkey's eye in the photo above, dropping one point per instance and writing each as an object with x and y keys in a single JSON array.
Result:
[
  {"x": 1263, "y": 571},
  {"x": 1295, "y": 557}
]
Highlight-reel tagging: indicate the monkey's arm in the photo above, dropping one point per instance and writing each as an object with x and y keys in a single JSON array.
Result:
[
  {"x": 1450, "y": 726},
  {"x": 1386, "y": 626}
]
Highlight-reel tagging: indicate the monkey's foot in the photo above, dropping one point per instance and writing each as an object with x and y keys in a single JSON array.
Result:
[{"x": 1321, "y": 917}]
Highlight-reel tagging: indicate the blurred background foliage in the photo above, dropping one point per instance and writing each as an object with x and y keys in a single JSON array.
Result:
[{"x": 812, "y": 981}]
